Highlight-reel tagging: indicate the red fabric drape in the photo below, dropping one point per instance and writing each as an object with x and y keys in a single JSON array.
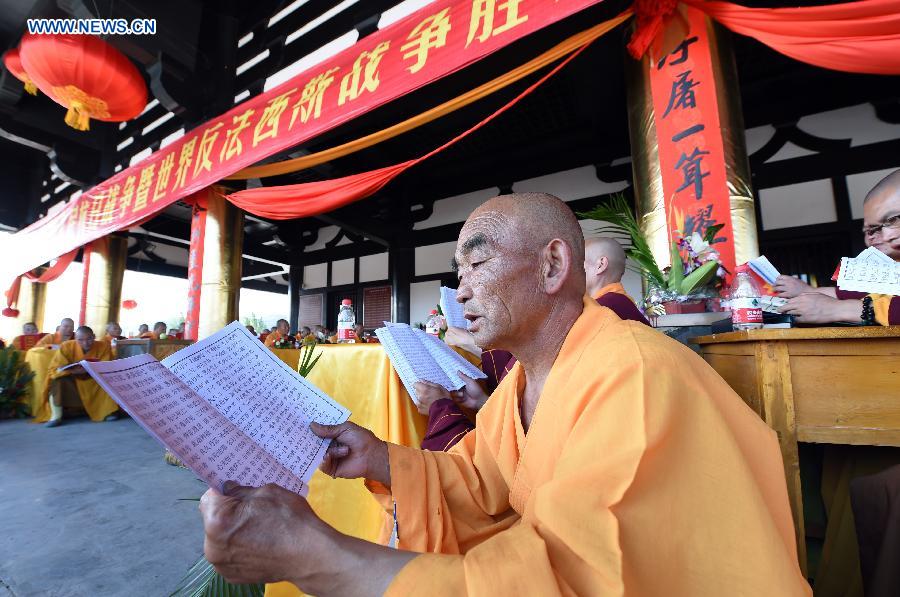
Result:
[
  {"x": 859, "y": 37},
  {"x": 50, "y": 274},
  {"x": 311, "y": 198}
]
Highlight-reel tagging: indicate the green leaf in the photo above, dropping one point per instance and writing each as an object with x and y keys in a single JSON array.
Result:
[
  {"x": 619, "y": 218},
  {"x": 699, "y": 278},
  {"x": 710, "y": 235},
  {"x": 202, "y": 580},
  {"x": 676, "y": 273}
]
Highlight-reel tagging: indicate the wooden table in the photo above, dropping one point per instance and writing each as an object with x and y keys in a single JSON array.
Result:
[{"x": 820, "y": 385}]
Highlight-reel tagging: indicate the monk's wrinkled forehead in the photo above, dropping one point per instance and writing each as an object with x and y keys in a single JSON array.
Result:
[{"x": 484, "y": 229}]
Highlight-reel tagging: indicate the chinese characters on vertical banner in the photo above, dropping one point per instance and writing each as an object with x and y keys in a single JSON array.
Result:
[
  {"x": 691, "y": 156},
  {"x": 441, "y": 38}
]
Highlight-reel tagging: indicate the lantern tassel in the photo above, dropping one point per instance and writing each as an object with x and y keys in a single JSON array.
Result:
[
  {"x": 31, "y": 88},
  {"x": 77, "y": 117}
]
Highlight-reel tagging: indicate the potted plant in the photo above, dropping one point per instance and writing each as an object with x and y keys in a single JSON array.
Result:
[{"x": 14, "y": 378}]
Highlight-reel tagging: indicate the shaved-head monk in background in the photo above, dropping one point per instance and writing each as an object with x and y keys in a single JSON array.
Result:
[
  {"x": 604, "y": 266},
  {"x": 610, "y": 461},
  {"x": 65, "y": 331}
]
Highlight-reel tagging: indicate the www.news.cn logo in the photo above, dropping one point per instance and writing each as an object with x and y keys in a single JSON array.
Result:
[{"x": 92, "y": 26}]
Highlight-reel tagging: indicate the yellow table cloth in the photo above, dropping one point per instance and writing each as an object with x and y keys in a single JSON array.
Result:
[
  {"x": 38, "y": 360},
  {"x": 360, "y": 377},
  {"x": 290, "y": 356}
]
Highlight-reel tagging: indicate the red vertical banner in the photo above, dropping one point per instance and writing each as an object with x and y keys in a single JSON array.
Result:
[
  {"x": 691, "y": 155},
  {"x": 195, "y": 264},
  {"x": 86, "y": 262}
]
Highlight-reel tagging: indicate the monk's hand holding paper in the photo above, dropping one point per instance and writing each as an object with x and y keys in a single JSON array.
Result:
[
  {"x": 260, "y": 534},
  {"x": 814, "y": 307},
  {"x": 789, "y": 287},
  {"x": 429, "y": 393},
  {"x": 354, "y": 452},
  {"x": 472, "y": 396}
]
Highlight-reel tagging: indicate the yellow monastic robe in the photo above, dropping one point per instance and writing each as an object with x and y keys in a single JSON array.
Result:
[
  {"x": 272, "y": 338},
  {"x": 642, "y": 474},
  {"x": 96, "y": 402},
  {"x": 50, "y": 339},
  {"x": 614, "y": 287}
]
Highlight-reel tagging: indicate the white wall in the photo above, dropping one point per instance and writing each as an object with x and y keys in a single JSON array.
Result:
[
  {"x": 434, "y": 259},
  {"x": 797, "y": 205},
  {"x": 423, "y": 296},
  {"x": 342, "y": 272},
  {"x": 373, "y": 267}
]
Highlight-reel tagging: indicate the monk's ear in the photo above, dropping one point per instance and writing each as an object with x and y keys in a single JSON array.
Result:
[
  {"x": 557, "y": 265},
  {"x": 602, "y": 264}
]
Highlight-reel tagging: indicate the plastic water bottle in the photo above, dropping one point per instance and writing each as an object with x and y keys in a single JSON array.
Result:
[
  {"x": 746, "y": 312},
  {"x": 346, "y": 321},
  {"x": 433, "y": 324}
]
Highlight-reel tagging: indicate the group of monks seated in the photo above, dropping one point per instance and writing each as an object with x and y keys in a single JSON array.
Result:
[{"x": 282, "y": 336}]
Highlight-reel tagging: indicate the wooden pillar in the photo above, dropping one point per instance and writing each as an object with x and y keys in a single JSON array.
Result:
[
  {"x": 295, "y": 283},
  {"x": 401, "y": 263},
  {"x": 32, "y": 300},
  {"x": 689, "y": 156},
  {"x": 103, "y": 296},
  {"x": 223, "y": 242}
]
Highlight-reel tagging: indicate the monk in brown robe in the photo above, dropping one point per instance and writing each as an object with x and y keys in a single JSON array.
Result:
[
  {"x": 881, "y": 229},
  {"x": 65, "y": 331},
  {"x": 97, "y": 403},
  {"x": 612, "y": 460}
]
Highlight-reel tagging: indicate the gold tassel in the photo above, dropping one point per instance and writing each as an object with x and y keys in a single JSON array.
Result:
[
  {"x": 77, "y": 118},
  {"x": 30, "y": 88}
]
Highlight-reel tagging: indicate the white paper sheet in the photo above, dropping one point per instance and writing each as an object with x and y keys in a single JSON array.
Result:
[
  {"x": 453, "y": 310},
  {"x": 417, "y": 356},
  {"x": 258, "y": 392},
  {"x": 764, "y": 269},
  {"x": 199, "y": 435},
  {"x": 871, "y": 272}
]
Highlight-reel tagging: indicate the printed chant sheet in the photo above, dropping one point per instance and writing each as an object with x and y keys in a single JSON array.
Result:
[{"x": 228, "y": 408}]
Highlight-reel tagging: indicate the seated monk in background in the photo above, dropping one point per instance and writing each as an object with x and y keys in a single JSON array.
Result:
[
  {"x": 143, "y": 329},
  {"x": 881, "y": 229},
  {"x": 65, "y": 331},
  {"x": 97, "y": 403},
  {"x": 113, "y": 332},
  {"x": 612, "y": 460},
  {"x": 282, "y": 331},
  {"x": 159, "y": 329},
  {"x": 29, "y": 337},
  {"x": 604, "y": 266}
]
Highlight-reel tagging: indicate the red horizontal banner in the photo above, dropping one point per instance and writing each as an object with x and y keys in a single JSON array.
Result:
[{"x": 439, "y": 39}]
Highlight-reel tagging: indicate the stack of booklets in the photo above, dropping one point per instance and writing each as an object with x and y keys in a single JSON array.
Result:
[
  {"x": 871, "y": 272},
  {"x": 453, "y": 311}
]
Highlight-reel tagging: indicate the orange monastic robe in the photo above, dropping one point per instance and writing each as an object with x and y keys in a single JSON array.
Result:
[
  {"x": 96, "y": 402},
  {"x": 642, "y": 473},
  {"x": 274, "y": 337}
]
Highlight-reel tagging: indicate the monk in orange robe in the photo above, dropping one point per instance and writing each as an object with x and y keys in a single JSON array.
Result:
[
  {"x": 281, "y": 332},
  {"x": 65, "y": 331},
  {"x": 27, "y": 339},
  {"x": 113, "y": 332},
  {"x": 611, "y": 460},
  {"x": 159, "y": 329},
  {"x": 97, "y": 403}
]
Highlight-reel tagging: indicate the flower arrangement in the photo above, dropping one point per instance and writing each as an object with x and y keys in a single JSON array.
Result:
[{"x": 696, "y": 272}]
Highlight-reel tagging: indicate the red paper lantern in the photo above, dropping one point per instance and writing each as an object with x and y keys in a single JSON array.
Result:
[
  {"x": 86, "y": 75},
  {"x": 10, "y": 312},
  {"x": 13, "y": 64},
  {"x": 129, "y": 304}
]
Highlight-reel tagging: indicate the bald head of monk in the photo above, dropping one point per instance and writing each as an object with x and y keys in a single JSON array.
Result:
[
  {"x": 66, "y": 328},
  {"x": 113, "y": 329},
  {"x": 30, "y": 328},
  {"x": 519, "y": 261},
  {"x": 604, "y": 263},
  {"x": 85, "y": 338},
  {"x": 881, "y": 216}
]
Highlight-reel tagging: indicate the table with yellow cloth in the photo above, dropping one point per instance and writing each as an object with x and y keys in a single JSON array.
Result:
[
  {"x": 290, "y": 356},
  {"x": 360, "y": 377}
]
